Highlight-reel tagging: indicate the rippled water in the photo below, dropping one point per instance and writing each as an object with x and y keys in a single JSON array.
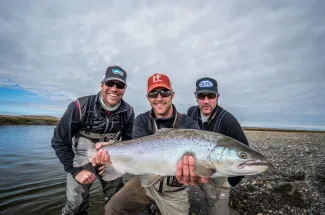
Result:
[{"x": 32, "y": 178}]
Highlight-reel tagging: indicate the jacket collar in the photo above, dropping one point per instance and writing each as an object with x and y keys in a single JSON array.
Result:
[{"x": 122, "y": 107}]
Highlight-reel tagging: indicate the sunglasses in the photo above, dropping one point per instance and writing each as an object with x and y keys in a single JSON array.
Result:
[
  {"x": 163, "y": 93},
  {"x": 202, "y": 96},
  {"x": 119, "y": 85}
]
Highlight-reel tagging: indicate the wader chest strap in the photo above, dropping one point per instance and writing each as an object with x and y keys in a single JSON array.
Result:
[
  {"x": 219, "y": 119},
  {"x": 90, "y": 114},
  {"x": 99, "y": 137},
  {"x": 193, "y": 115}
]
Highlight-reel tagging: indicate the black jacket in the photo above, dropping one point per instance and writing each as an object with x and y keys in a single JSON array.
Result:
[
  {"x": 223, "y": 122},
  {"x": 74, "y": 119}
]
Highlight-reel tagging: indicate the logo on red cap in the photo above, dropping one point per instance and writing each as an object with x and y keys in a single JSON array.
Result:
[{"x": 156, "y": 78}]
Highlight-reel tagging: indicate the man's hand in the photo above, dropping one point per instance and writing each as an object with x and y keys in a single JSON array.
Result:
[
  {"x": 185, "y": 172},
  {"x": 85, "y": 177},
  {"x": 101, "y": 158}
]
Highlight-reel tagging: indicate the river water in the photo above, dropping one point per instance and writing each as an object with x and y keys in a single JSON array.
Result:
[{"x": 32, "y": 177}]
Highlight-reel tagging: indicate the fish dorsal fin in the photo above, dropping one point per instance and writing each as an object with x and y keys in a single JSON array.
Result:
[
  {"x": 164, "y": 130},
  {"x": 150, "y": 180}
]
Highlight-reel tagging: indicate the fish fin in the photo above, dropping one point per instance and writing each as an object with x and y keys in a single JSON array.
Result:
[
  {"x": 111, "y": 142},
  {"x": 83, "y": 152},
  {"x": 149, "y": 180},
  {"x": 164, "y": 130},
  {"x": 203, "y": 170},
  {"x": 110, "y": 173},
  {"x": 220, "y": 181}
]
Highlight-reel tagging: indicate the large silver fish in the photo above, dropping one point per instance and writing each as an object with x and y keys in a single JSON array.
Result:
[{"x": 157, "y": 155}]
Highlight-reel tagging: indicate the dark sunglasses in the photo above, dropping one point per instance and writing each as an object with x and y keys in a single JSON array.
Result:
[
  {"x": 119, "y": 85},
  {"x": 202, "y": 96},
  {"x": 163, "y": 93}
]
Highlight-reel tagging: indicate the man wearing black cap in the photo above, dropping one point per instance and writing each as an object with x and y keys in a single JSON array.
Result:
[
  {"x": 212, "y": 117},
  {"x": 99, "y": 118}
]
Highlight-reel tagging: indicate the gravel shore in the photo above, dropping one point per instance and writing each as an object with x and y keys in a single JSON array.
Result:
[{"x": 295, "y": 182}]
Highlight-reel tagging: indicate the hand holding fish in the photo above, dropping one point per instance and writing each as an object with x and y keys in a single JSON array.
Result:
[
  {"x": 185, "y": 173},
  {"x": 101, "y": 157}
]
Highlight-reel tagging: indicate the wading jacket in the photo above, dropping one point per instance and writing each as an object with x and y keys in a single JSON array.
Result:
[
  {"x": 87, "y": 115},
  {"x": 223, "y": 122},
  {"x": 144, "y": 125}
]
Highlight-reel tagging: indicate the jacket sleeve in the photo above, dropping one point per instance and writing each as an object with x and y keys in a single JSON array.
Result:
[
  {"x": 140, "y": 127},
  {"x": 127, "y": 131},
  {"x": 235, "y": 131},
  {"x": 190, "y": 123},
  {"x": 62, "y": 138},
  {"x": 189, "y": 111}
]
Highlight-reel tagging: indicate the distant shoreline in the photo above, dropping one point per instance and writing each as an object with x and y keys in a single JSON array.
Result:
[
  {"x": 28, "y": 120},
  {"x": 51, "y": 120},
  {"x": 280, "y": 130}
]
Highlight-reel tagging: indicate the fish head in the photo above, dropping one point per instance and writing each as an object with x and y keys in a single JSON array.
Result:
[{"x": 233, "y": 158}]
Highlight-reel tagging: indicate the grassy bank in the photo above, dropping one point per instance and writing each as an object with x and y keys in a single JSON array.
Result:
[{"x": 28, "y": 120}]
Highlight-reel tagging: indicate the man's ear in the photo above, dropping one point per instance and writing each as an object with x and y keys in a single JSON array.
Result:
[
  {"x": 217, "y": 98},
  {"x": 173, "y": 94},
  {"x": 125, "y": 88}
]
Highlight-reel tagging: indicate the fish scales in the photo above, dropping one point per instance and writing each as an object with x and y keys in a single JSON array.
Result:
[{"x": 158, "y": 156}]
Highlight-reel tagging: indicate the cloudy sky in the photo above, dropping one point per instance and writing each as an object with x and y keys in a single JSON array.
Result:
[{"x": 267, "y": 56}]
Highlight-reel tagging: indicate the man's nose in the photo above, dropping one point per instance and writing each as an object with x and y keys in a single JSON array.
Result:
[
  {"x": 114, "y": 87},
  {"x": 159, "y": 97},
  {"x": 206, "y": 100}
]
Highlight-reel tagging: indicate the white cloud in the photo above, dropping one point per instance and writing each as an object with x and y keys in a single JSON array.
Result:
[{"x": 267, "y": 56}]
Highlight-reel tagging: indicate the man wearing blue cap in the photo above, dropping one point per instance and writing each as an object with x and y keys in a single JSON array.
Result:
[{"x": 212, "y": 117}]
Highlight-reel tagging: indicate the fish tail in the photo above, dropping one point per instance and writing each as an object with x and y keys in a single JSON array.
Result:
[
  {"x": 110, "y": 173},
  {"x": 84, "y": 151}
]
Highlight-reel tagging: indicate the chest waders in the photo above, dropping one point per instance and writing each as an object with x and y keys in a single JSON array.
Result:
[
  {"x": 77, "y": 193},
  {"x": 217, "y": 200}
]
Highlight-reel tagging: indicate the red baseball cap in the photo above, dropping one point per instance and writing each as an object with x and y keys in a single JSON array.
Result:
[{"x": 158, "y": 80}]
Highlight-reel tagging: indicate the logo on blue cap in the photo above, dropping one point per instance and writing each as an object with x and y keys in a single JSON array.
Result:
[
  {"x": 117, "y": 72},
  {"x": 205, "y": 84}
]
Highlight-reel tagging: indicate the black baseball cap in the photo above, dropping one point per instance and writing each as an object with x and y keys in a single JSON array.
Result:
[
  {"x": 206, "y": 85},
  {"x": 115, "y": 73}
]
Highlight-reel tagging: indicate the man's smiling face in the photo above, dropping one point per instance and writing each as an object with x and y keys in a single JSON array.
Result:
[
  {"x": 112, "y": 94},
  {"x": 162, "y": 106}
]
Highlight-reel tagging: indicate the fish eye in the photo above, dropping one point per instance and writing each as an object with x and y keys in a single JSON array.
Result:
[{"x": 243, "y": 155}]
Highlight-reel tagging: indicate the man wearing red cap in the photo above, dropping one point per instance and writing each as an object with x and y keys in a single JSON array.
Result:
[{"x": 170, "y": 195}]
